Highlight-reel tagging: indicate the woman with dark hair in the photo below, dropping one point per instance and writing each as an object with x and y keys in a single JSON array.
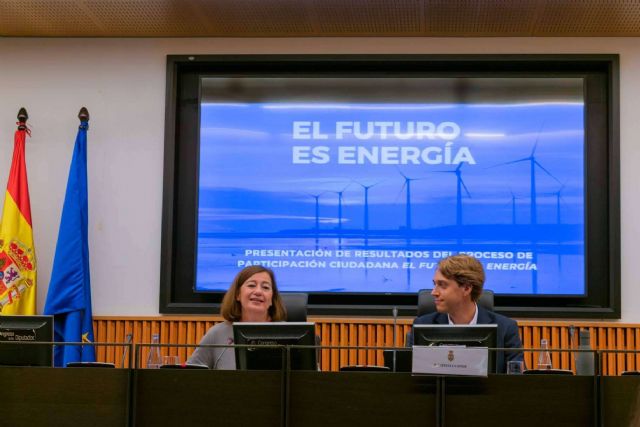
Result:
[{"x": 252, "y": 297}]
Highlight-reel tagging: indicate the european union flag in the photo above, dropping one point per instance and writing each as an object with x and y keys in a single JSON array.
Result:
[{"x": 69, "y": 294}]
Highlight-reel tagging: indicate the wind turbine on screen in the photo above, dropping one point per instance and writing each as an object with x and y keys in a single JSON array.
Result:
[
  {"x": 533, "y": 163},
  {"x": 366, "y": 205},
  {"x": 513, "y": 207},
  {"x": 317, "y": 211},
  {"x": 407, "y": 186},
  {"x": 340, "y": 194},
  {"x": 460, "y": 185},
  {"x": 558, "y": 198}
]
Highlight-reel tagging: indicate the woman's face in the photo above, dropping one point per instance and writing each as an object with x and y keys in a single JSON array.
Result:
[{"x": 255, "y": 297}]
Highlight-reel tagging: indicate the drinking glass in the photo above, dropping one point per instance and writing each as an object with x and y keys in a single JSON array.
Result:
[
  {"x": 170, "y": 360},
  {"x": 515, "y": 367}
]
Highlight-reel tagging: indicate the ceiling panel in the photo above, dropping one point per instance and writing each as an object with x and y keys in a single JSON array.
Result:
[
  {"x": 255, "y": 17},
  {"x": 145, "y": 18},
  {"x": 50, "y": 18},
  {"x": 480, "y": 18},
  {"x": 588, "y": 17},
  {"x": 369, "y": 18},
  {"x": 318, "y": 18}
]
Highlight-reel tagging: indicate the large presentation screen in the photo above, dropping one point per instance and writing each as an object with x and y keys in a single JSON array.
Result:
[{"x": 361, "y": 185}]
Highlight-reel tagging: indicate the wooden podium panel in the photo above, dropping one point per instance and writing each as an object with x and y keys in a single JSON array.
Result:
[
  {"x": 33, "y": 397},
  {"x": 361, "y": 399},
  {"x": 621, "y": 401},
  {"x": 183, "y": 397},
  {"x": 520, "y": 400}
]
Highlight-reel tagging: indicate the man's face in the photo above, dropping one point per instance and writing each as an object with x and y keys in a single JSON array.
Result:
[{"x": 448, "y": 294}]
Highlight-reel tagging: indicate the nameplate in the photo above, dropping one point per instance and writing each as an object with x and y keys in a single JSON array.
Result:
[{"x": 451, "y": 360}]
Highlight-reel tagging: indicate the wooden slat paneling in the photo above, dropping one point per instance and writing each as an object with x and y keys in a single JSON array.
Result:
[
  {"x": 637, "y": 345},
  {"x": 371, "y": 332}
]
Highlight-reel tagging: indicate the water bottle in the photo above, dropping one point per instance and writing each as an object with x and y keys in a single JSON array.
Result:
[
  {"x": 544, "y": 358},
  {"x": 154, "y": 360},
  {"x": 584, "y": 360}
]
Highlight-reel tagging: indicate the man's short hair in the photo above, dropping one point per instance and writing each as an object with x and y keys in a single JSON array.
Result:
[{"x": 465, "y": 270}]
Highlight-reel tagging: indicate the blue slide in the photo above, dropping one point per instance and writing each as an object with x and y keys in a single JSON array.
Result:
[{"x": 353, "y": 197}]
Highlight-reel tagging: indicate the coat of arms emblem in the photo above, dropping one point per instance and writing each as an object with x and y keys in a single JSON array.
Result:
[{"x": 17, "y": 270}]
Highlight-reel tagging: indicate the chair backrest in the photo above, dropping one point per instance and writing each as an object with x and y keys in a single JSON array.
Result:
[
  {"x": 427, "y": 305},
  {"x": 296, "y": 306}
]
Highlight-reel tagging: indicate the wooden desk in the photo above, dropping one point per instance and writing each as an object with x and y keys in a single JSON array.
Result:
[
  {"x": 523, "y": 400},
  {"x": 186, "y": 398},
  {"x": 33, "y": 397},
  {"x": 361, "y": 399},
  {"x": 620, "y": 401},
  {"x": 113, "y": 397}
]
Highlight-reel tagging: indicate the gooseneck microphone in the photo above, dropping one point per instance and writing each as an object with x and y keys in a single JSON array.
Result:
[
  {"x": 572, "y": 342},
  {"x": 224, "y": 350},
  {"x": 394, "y": 312},
  {"x": 215, "y": 364},
  {"x": 572, "y": 332},
  {"x": 128, "y": 339}
]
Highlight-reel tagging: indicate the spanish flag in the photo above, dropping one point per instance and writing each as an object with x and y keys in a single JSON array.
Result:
[{"x": 17, "y": 253}]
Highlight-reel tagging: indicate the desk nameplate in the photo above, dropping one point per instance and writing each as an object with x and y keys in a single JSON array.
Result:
[{"x": 451, "y": 360}]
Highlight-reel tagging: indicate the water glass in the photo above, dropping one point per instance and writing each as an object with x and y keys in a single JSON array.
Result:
[
  {"x": 170, "y": 360},
  {"x": 515, "y": 367}
]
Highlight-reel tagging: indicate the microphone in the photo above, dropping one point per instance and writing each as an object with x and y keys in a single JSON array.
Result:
[
  {"x": 224, "y": 350},
  {"x": 572, "y": 342},
  {"x": 215, "y": 364},
  {"x": 394, "y": 312},
  {"x": 128, "y": 339}
]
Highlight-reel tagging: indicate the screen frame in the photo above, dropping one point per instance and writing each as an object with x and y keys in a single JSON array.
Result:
[
  {"x": 302, "y": 332},
  {"x": 43, "y": 329},
  {"x": 602, "y": 166},
  {"x": 441, "y": 335}
]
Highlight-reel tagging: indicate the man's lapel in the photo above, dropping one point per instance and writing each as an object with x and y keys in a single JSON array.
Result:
[
  {"x": 485, "y": 317},
  {"x": 442, "y": 319}
]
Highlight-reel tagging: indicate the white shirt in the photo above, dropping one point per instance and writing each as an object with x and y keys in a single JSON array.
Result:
[{"x": 474, "y": 321}]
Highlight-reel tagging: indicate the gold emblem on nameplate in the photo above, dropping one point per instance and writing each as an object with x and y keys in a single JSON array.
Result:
[{"x": 450, "y": 356}]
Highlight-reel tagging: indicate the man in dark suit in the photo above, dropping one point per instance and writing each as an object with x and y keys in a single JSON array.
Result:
[{"x": 457, "y": 285}]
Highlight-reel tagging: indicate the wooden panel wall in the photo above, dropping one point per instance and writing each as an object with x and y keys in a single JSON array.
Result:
[{"x": 356, "y": 332}]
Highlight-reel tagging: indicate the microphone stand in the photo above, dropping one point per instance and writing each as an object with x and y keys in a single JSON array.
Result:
[
  {"x": 215, "y": 364},
  {"x": 572, "y": 332},
  {"x": 126, "y": 349},
  {"x": 395, "y": 326}
]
